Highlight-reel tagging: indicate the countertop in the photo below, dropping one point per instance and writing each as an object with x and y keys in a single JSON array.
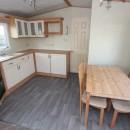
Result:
[
  {"x": 25, "y": 52},
  {"x": 46, "y": 51}
]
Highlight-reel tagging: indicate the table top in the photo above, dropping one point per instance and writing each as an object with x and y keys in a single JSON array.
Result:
[{"x": 107, "y": 81}]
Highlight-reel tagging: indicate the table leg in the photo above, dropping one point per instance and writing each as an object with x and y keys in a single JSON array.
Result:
[{"x": 87, "y": 110}]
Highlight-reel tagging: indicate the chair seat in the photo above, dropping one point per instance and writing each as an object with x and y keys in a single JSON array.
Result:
[
  {"x": 95, "y": 101},
  {"x": 121, "y": 105}
]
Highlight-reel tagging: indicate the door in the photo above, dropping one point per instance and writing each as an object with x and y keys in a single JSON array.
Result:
[
  {"x": 80, "y": 39},
  {"x": 43, "y": 63},
  {"x": 23, "y": 70},
  {"x": 12, "y": 76},
  {"x": 19, "y": 26},
  {"x": 58, "y": 64},
  {"x": 40, "y": 28},
  {"x": 32, "y": 29},
  {"x": 31, "y": 64}
]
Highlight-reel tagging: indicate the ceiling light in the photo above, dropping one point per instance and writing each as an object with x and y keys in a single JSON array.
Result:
[
  {"x": 107, "y": 3},
  {"x": 32, "y": 3}
]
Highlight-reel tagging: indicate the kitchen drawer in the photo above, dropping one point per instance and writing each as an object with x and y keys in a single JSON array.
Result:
[
  {"x": 9, "y": 63},
  {"x": 16, "y": 61},
  {"x": 30, "y": 56},
  {"x": 22, "y": 58}
]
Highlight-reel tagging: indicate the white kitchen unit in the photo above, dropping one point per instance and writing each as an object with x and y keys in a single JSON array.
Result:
[
  {"x": 55, "y": 65},
  {"x": 36, "y": 28},
  {"x": 31, "y": 64},
  {"x": 18, "y": 69},
  {"x": 58, "y": 64},
  {"x": 12, "y": 76},
  {"x": 26, "y": 29},
  {"x": 22, "y": 28},
  {"x": 43, "y": 63},
  {"x": 30, "y": 28}
]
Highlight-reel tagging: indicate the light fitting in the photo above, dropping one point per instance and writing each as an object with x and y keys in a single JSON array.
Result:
[
  {"x": 107, "y": 3},
  {"x": 32, "y": 3}
]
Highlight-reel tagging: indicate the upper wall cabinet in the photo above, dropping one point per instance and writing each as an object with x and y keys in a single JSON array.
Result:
[
  {"x": 22, "y": 28},
  {"x": 25, "y": 28},
  {"x": 36, "y": 28}
]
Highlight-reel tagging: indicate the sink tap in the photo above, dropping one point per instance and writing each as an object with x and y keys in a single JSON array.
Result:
[{"x": 3, "y": 51}]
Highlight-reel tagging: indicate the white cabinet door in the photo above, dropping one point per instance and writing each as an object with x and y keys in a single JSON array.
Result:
[
  {"x": 32, "y": 29},
  {"x": 23, "y": 70},
  {"x": 58, "y": 64},
  {"x": 31, "y": 64},
  {"x": 25, "y": 28},
  {"x": 19, "y": 26},
  {"x": 43, "y": 62},
  {"x": 36, "y": 28},
  {"x": 12, "y": 76},
  {"x": 40, "y": 28}
]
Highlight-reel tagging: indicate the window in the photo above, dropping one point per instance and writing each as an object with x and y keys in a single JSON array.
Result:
[{"x": 4, "y": 41}]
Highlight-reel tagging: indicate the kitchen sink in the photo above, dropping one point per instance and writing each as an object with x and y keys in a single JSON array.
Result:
[{"x": 5, "y": 57}]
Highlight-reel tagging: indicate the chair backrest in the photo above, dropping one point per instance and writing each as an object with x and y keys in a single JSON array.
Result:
[
  {"x": 81, "y": 73},
  {"x": 129, "y": 75}
]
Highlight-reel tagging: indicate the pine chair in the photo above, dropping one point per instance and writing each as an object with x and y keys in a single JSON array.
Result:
[
  {"x": 120, "y": 106},
  {"x": 129, "y": 75},
  {"x": 99, "y": 103}
]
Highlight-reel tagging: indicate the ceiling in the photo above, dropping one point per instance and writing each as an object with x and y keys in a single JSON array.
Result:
[{"x": 22, "y": 7}]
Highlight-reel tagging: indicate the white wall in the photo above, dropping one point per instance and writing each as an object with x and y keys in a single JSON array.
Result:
[
  {"x": 110, "y": 35},
  {"x": 62, "y": 42},
  {"x": 16, "y": 44}
]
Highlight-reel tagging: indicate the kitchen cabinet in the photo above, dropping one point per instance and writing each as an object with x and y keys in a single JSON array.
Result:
[
  {"x": 19, "y": 26},
  {"x": 58, "y": 64},
  {"x": 18, "y": 69},
  {"x": 36, "y": 28},
  {"x": 55, "y": 65},
  {"x": 43, "y": 63},
  {"x": 26, "y": 29},
  {"x": 23, "y": 70},
  {"x": 12, "y": 76},
  {"x": 31, "y": 64},
  {"x": 22, "y": 28}
]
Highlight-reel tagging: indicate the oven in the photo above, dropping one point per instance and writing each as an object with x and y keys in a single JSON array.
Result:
[{"x": 2, "y": 88}]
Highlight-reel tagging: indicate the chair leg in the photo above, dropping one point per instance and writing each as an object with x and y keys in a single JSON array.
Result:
[
  {"x": 81, "y": 107},
  {"x": 109, "y": 104},
  {"x": 114, "y": 119},
  {"x": 101, "y": 117}
]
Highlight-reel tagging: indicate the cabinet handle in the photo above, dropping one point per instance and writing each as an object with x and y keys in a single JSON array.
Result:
[
  {"x": 28, "y": 57},
  {"x": 17, "y": 67},
  {"x": 10, "y": 63},
  {"x": 22, "y": 59}
]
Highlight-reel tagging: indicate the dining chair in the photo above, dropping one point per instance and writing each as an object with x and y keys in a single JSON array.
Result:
[
  {"x": 120, "y": 106},
  {"x": 99, "y": 103},
  {"x": 129, "y": 75}
]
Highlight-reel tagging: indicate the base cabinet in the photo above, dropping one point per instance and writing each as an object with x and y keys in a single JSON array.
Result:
[
  {"x": 12, "y": 76},
  {"x": 31, "y": 64},
  {"x": 58, "y": 64},
  {"x": 23, "y": 70},
  {"x": 18, "y": 69},
  {"x": 54, "y": 65},
  {"x": 43, "y": 63}
]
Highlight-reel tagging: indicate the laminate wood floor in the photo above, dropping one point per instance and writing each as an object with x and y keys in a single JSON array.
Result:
[{"x": 46, "y": 103}]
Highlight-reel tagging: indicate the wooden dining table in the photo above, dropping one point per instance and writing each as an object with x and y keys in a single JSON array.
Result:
[{"x": 108, "y": 82}]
